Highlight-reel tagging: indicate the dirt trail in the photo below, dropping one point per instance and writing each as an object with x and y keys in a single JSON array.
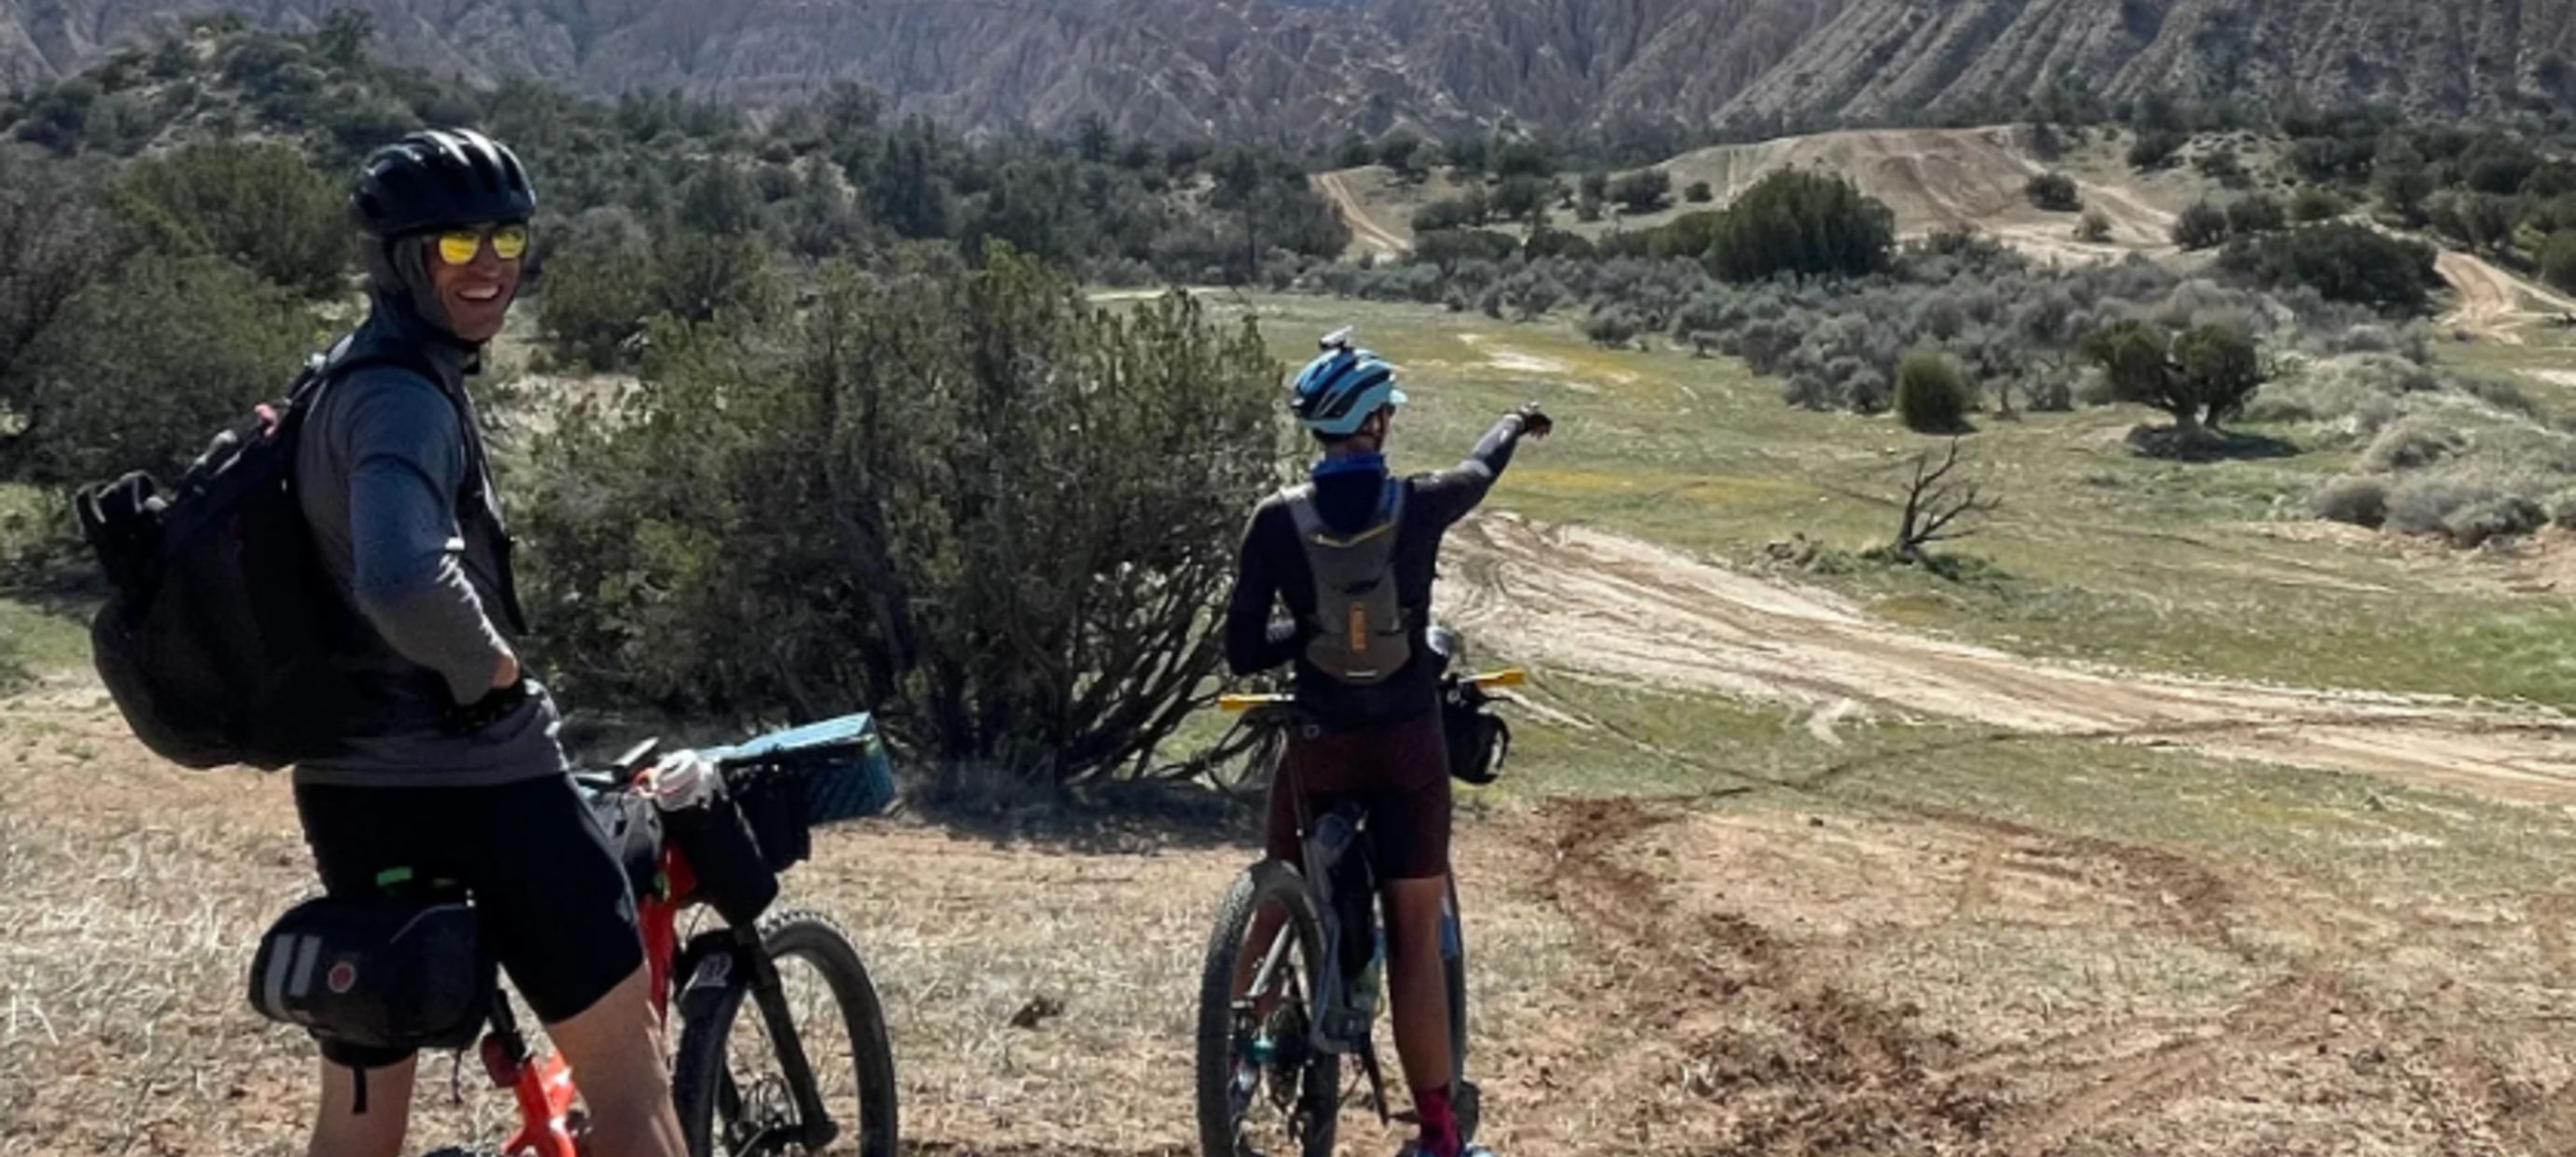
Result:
[
  {"x": 1363, "y": 226},
  {"x": 1585, "y": 601},
  {"x": 2490, "y": 298},
  {"x": 1937, "y": 179},
  {"x": 2486, "y": 297}
]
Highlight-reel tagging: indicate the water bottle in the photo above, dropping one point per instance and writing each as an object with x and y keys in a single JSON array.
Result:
[
  {"x": 1332, "y": 839},
  {"x": 1330, "y": 843},
  {"x": 1364, "y": 995}
]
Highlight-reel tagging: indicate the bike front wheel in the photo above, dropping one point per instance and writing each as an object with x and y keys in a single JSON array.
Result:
[
  {"x": 1255, "y": 1054},
  {"x": 1465, "y": 1099},
  {"x": 729, "y": 1103}
]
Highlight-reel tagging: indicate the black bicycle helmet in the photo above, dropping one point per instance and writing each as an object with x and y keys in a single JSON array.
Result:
[{"x": 438, "y": 178}]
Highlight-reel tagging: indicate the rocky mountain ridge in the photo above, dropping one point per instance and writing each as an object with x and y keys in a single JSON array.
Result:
[{"x": 1264, "y": 67}]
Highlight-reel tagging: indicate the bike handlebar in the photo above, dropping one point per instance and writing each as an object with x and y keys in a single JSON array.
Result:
[{"x": 1507, "y": 677}]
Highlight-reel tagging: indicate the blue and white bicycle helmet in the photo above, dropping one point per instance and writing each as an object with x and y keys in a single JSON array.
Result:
[{"x": 1343, "y": 386}]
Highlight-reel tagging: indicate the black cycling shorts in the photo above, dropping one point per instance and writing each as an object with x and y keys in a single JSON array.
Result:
[
  {"x": 1399, "y": 772},
  {"x": 555, "y": 902}
]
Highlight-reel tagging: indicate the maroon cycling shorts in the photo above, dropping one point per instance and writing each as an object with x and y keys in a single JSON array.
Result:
[{"x": 1399, "y": 772}]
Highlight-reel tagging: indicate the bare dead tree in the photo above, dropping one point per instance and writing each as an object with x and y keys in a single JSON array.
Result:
[{"x": 1935, "y": 502}]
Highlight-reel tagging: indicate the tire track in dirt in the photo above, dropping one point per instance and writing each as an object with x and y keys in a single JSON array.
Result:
[
  {"x": 1613, "y": 607},
  {"x": 2286, "y": 1014},
  {"x": 1778, "y": 1055},
  {"x": 1846, "y": 1075}
]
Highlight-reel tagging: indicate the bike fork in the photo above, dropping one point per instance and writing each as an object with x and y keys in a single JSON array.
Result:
[{"x": 771, "y": 996}]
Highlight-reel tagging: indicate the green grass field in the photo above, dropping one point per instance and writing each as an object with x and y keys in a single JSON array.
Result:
[
  {"x": 2388, "y": 838},
  {"x": 2096, "y": 554}
]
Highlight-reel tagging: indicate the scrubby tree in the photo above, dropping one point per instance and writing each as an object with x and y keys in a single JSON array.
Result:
[
  {"x": 2315, "y": 203},
  {"x": 2201, "y": 377},
  {"x": 2342, "y": 261},
  {"x": 2558, "y": 260},
  {"x": 2155, "y": 148},
  {"x": 1931, "y": 394},
  {"x": 2403, "y": 181},
  {"x": 2055, "y": 192},
  {"x": 1525, "y": 157},
  {"x": 813, "y": 513},
  {"x": 137, "y": 372},
  {"x": 1790, "y": 221},
  {"x": 1612, "y": 326},
  {"x": 1937, "y": 503},
  {"x": 2256, "y": 214},
  {"x": 2201, "y": 226},
  {"x": 1472, "y": 207},
  {"x": 60, "y": 245},
  {"x": 1522, "y": 199},
  {"x": 1642, "y": 191},
  {"x": 259, "y": 204},
  {"x": 595, "y": 299}
]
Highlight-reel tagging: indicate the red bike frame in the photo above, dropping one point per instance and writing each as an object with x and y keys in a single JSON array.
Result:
[{"x": 543, "y": 1084}]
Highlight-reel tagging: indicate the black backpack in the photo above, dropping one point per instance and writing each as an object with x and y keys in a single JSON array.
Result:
[{"x": 221, "y": 634}]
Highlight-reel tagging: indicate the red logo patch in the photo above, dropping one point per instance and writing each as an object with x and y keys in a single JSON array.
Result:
[{"x": 343, "y": 977}]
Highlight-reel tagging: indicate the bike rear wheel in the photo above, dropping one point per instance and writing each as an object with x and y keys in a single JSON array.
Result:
[
  {"x": 724, "y": 1110},
  {"x": 1302, "y": 1085}
]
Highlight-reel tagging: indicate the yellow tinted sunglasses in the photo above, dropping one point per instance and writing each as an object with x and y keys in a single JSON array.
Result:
[{"x": 458, "y": 246}]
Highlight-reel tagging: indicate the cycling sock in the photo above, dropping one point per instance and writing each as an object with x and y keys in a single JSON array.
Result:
[{"x": 1439, "y": 1124}]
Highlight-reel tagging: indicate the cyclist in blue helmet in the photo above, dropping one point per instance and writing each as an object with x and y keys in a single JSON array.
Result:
[{"x": 1350, "y": 553}]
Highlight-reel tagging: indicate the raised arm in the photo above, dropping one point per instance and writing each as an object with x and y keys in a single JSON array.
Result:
[{"x": 1451, "y": 493}]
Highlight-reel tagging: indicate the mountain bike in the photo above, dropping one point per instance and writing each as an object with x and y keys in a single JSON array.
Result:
[
  {"x": 726, "y": 854},
  {"x": 1314, "y": 993}
]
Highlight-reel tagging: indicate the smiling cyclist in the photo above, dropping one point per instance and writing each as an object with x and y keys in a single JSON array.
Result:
[
  {"x": 455, "y": 769},
  {"x": 1351, "y": 554}
]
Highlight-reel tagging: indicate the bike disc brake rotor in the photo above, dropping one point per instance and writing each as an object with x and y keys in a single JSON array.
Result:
[
  {"x": 760, "y": 1119},
  {"x": 1284, "y": 1071}
]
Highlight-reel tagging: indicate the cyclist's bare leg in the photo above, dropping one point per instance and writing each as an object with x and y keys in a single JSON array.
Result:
[
  {"x": 619, "y": 1064},
  {"x": 339, "y": 1130},
  {"x": 1415, "y": 988}
]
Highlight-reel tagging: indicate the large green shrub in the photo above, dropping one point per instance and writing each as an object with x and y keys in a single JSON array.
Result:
[
  {"x": 139, "y": 371},
  {"x": 962, "y": 497},
  {"x": 259, "y": 204}
]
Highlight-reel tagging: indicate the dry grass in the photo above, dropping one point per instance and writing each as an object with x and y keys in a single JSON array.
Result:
[
  {"x": 2153, "y": 953},
  {"x": 135, "y": 895}
]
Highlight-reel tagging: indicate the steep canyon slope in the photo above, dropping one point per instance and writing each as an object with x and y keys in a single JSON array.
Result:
[{"x": 1211, "y": 67}]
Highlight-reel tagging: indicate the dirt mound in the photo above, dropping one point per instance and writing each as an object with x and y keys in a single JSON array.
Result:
[
  {"x": 1585, "y": 601},
  {"x": 1935, "y": 179}
]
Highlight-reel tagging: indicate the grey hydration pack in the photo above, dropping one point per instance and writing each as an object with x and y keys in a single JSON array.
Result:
[{"x": 1360, "y": 636}]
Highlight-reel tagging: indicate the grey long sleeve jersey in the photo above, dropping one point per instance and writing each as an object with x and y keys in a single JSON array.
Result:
[{"x": 383, "y": 471}]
